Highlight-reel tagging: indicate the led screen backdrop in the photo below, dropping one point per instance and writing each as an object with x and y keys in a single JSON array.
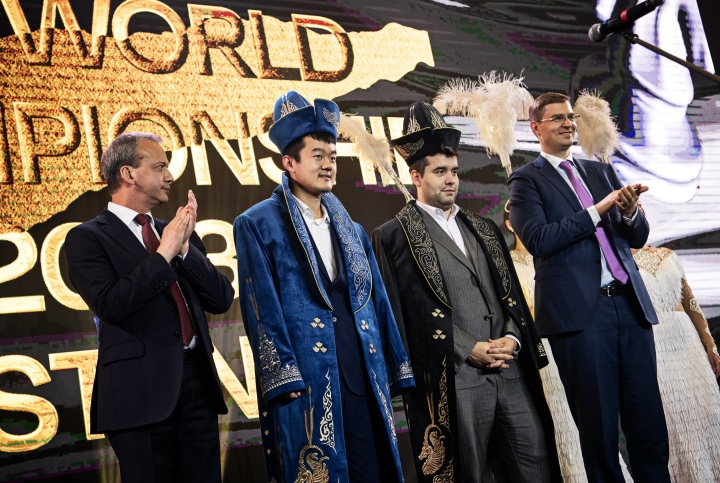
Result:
[{"x": 74, "y": 74}]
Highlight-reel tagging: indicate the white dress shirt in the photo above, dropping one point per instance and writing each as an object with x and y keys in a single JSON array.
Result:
[
  {"x": 606, "y": 277},
  {"x": 320, "y": 231},
  {"x": 450, "y": 226},
  {"x": 127, "y": 216}
]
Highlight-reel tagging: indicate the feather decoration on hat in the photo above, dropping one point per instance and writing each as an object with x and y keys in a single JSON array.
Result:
[
  {"x": 459, "y": 97},
  {"x": 371, "y": 147},
  {"x": 597, "y": 132},
  {"x": 496, "y": 101}
]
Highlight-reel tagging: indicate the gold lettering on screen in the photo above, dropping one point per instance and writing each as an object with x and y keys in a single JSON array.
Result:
[
  {"x": 85, "y": 363},
  {"x": 42, "y": 408},
  {"x": 67, "y": 91}
]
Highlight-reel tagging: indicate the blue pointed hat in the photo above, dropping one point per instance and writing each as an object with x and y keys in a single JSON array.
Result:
[{"x": 295, "y": 117}]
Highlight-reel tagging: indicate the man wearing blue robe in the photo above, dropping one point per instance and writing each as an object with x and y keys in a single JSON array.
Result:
[{"x": 328, "y": 355}]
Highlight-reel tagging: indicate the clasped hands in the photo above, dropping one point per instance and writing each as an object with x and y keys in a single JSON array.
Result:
[
  {"x": 176, "y": 235},
  {"x": 626, "y": 200},
  {"x": 493, "y": 354}
]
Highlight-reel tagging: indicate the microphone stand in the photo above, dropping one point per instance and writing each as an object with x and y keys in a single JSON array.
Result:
[{"x": 634, "y": 39}]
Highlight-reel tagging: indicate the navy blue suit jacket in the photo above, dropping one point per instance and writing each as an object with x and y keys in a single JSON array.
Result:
[
  {"x": 549, "y": 219},
  {"x": 140, "y": 356}
]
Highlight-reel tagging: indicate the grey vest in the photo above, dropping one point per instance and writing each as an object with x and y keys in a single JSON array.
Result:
[{"x": 476, "y": 309}]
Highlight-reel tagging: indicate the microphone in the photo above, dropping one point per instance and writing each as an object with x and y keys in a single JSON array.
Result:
[{"x": 625, "y": 20}]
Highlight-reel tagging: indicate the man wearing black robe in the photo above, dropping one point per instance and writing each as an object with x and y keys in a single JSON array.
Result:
[{"x": 461, "y": 312}]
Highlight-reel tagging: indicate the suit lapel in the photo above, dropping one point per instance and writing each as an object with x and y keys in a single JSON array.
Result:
[
  {"x": 443, "y": 239},
  {"x": 423, "y": 250},
  {"x": 548, "y": 171},
  {"x": 121, "y": 234},
  {"x": 590, "y": 176},
  {"x": 126, "y": 240}
]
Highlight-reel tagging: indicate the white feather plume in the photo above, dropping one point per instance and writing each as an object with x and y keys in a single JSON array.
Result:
[
  {"x": 597, "y": 132},
  {"x": 459, "y": 97},
  {"x": 371, "y": 147},
  {"x": 496, "y": 101}
]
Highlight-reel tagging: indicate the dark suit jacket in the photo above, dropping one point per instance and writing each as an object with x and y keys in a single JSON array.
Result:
[
  {"x": 140, "y": 359},
  {"x": 559, "y": 233}
]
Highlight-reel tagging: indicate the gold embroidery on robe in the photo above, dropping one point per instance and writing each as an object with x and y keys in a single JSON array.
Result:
[
  {"x": 311, "y": 461},
  {"x": 433, "y": 448}
]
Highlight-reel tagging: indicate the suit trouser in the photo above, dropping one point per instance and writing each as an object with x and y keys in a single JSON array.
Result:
[
  {"x": 366, "y": 442},
  {"x": 183, "y": 448},
  {"x": 609, "y": 369},
  {"x": 500, "y": 416}
]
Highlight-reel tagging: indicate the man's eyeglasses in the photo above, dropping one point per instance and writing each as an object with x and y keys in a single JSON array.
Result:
[{"x": 561, "y": 118}]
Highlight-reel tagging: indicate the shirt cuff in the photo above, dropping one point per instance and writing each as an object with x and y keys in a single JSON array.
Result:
[
  {"x": 631, "y": 220},
  {"x": 516, "y": 352},
  {"x": 594, "y": 215}
]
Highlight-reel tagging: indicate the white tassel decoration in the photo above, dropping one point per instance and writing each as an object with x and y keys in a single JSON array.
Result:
[
  {"x": 496, "y": 102},
  {"x": 371, "y": 147},
  {"x": 597, "y": 133}
]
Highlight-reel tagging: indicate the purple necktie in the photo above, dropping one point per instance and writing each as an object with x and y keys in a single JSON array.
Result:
[{"x": 614, "y": 264}]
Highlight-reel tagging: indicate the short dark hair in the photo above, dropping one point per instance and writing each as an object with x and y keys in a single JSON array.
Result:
[
  {"x": 294, "y": 147},
  {"x": 122, "y": 151},
  {"x": 419, "y": 165},
  {"x": 537, "y": 109}
]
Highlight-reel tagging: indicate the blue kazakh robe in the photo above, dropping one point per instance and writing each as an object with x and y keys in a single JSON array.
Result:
[{"x": 289, "y": 320}]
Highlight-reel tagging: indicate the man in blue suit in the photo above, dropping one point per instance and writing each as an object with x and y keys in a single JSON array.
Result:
[{"x": 580, "y": 223}]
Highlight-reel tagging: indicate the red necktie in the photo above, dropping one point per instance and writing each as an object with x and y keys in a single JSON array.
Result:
[{"x": 151, "y": 245}]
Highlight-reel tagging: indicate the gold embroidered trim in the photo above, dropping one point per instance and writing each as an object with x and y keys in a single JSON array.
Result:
[
  {"x": 487, "y": 234},
  {"x": 409, "y": 149},
  {"x": 443, "y": 411},
  {"x": 327, "y": 426},
  {"x": 437, "y": 121},
  {"x": 541, "y": 350},
  {"x": 272, "y": 375},
  {"x": 433, "y": 448},
  {"x": 331, "y": 117},
  {"x": 423, "y": 250},
  {"x": 311, "y": 460},
  {"x": 413, "y": 125},
  {"x": 447, "y": 476}
]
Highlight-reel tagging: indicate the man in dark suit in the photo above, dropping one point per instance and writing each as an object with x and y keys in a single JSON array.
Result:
[
  {"x": 579, "y": 223},
  {"x": 471, "y": 339},
  {"x": 156, "y": 393}
]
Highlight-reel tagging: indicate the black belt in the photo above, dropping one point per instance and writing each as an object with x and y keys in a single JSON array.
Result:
[{"x": 614, "y": 289}]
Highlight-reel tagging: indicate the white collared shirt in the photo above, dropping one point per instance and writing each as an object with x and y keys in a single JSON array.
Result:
[
  {"x": 605, "y": 275},
  {"x": 127, "y": 216},
  {"x": 449, "y": 225},
  {"x": 320, "y": 231}
]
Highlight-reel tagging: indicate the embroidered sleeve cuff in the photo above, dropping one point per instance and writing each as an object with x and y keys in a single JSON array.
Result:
[
  {"x": 401, "y": 379},
  {"x": 292, "y": 382}
]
